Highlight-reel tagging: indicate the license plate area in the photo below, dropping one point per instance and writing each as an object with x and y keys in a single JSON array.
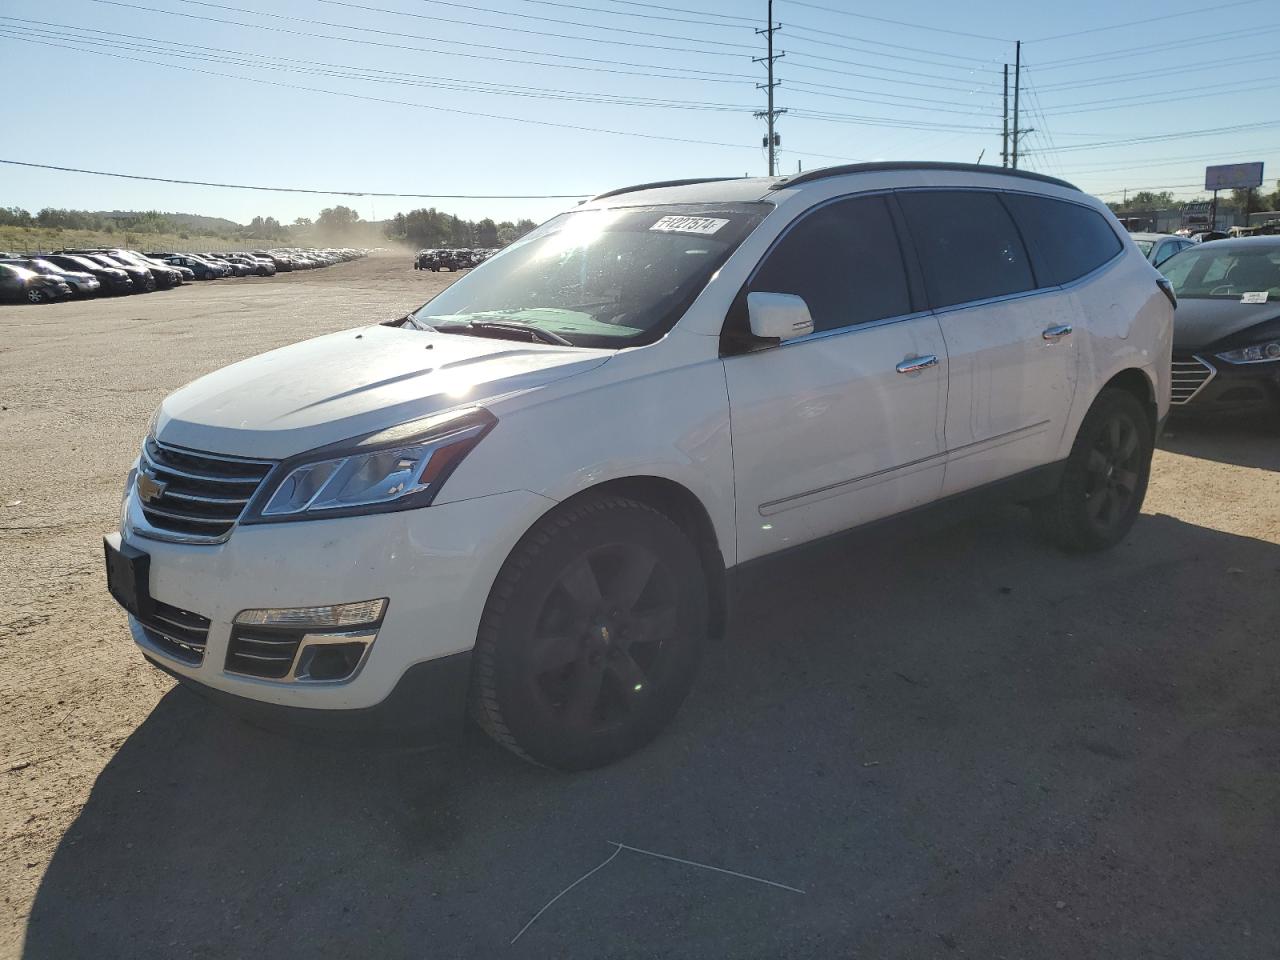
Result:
[{"x": 128, "y": 576}]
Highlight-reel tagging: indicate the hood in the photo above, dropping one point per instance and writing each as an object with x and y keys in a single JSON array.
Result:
[
  {"x": 1201, "y": 323},
  {"x": 348, "y": 384}
]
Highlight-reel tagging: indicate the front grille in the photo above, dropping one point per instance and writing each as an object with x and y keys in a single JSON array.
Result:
[
  {"x": 179, "y": 633},
  {"x": 1189, "y": 378},
  {"x": 201, "y": 495},
  {"x": 262, "y": 652}
]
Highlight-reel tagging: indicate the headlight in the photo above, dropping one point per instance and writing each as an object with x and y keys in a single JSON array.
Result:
[
  {"x": 396, "y": 469},
  {"x": 1255, "y": 353}
]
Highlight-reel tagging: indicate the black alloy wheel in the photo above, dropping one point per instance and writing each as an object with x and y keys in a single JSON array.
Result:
[
  {"x": 1112, "y": 470},
  {"x": 1104, "y": 479},
  {"x": 591, "y": 636}
]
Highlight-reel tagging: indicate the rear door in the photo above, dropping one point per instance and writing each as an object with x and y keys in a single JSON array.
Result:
[
  {"x": 836, "y": 428},
  {"x": 1009, "y": 341}
]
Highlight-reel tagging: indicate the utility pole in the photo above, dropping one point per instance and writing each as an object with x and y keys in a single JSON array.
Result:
[
  {"x": 769, "y": 114},
  {"x": 1017, "y": 89},
  {"x": 1004, "y": 137}
]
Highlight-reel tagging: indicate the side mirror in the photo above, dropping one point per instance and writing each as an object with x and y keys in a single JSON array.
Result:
[{"x": 778, "y": 316}]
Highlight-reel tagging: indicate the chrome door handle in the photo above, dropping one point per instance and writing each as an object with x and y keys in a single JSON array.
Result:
[
  {"x": 916, "y": 364},
  {"x": 1057, "y": 332}
]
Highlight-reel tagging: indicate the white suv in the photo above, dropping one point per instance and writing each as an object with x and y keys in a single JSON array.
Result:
[{"x": 525, "y": 497}]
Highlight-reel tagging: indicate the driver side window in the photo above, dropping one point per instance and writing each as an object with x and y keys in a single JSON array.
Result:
[{"x": 843, "y": 259}]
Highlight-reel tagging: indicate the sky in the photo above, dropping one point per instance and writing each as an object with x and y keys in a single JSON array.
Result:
[{"x": 572, "y": 97}]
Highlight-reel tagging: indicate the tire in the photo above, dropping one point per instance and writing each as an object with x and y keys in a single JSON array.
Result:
[
  {"x": 36, "y": 295},
  {"x": 1105, "y": 480},
  {"x": 591, "y": 636},
  {"x": 149, "y": 285}
]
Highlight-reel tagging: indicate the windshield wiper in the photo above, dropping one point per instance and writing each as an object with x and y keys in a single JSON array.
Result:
[{"x": 546, "y": 336}]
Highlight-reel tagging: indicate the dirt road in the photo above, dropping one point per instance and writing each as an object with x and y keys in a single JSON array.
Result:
[{"x": 968, "y": 745}]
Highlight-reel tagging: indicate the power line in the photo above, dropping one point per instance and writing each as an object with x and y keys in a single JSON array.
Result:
[
  {"x": 215, "y": 54},
  {"x": 1149, "y": 48},
  {"x": 792, "y": 28},
  {"x": 646, "y": 16},
  {"x": 1147, "y": 99},
  {"x": 1183, "y": 135},
  {"x": 491, "y": 26},
  {"x": 898, "y": 23},
  {"x": 653, "y": 69},
  {"x": 705, "y": 13},
  {"x": 424, "y": 106},
  {"x": 889, "y": 56},
  {"x": 1198, "y": 12},
  {"x": 333, "y": 193},
  {"x": 540, "y": 19}
]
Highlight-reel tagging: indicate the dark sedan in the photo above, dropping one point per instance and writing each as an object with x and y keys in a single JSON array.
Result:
[
  {"x": 82, "y": 284},
  {"x": 144, "y": 280},
  {"x": 1226, "y": 331},
  {"x": 19, "y": 284},
  {"x": 113, "y": 279}
]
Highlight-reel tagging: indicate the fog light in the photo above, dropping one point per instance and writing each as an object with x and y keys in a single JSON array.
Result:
[
  {"x": 320, "y": 618},
  {"x": 328, "y": 660}
]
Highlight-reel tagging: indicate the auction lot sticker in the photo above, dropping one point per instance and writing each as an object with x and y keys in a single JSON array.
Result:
[
  {"x": 703, "y": 225},
  {"x": 1255, "y": 296}
]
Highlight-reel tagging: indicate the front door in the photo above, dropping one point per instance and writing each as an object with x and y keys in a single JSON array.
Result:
[{"x": 845, "y": 425}]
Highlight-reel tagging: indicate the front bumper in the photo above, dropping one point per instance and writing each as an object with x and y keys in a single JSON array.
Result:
[
  {"x": 1233, "y": 387},
  {"x": 426, "y": 706},
  {"x": 434, "y": 565}
]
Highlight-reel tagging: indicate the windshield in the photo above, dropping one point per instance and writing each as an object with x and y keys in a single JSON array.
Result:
[
  {"x": 1145, "y": 246},
  {"x": 1225, "y": 272},
  {"x": 599, "y": 278},
  {"x": 44, "y": 266}
]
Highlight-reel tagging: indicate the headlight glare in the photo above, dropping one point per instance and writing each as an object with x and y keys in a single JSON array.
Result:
[{"x": 1254, "y": 353}]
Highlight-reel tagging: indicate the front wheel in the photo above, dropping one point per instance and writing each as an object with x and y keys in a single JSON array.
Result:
[
  {"x": 1105, "y": 478},
  {"x": 36, "y": 295},
  {"x": 591, "y": 636}
]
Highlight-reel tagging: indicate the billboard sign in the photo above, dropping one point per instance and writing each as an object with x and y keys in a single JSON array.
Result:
[{"x": 1233, "y": 176}]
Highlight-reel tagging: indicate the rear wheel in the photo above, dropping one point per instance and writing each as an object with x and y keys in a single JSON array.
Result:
[
  {"x": 591, "y": 635},
  {"x": 36, "y": 295},
  {"x": 1105, "y": 478}
]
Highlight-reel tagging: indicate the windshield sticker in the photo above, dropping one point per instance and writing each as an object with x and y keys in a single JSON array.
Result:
[
  {"x": 1255, "y": 296},
  {"x": 702, "y": 225}
]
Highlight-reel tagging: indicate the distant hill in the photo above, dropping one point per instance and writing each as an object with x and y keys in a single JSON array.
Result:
[{"x": 192, "y": 222}]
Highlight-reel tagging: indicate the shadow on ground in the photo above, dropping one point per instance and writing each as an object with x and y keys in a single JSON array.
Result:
[
  {"x": 967, "y": 746},
  {"x": 1246, "y": 441}
]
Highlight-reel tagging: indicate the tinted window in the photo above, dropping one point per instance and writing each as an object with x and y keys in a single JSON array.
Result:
[
  {"x": 844, "y": 260},
  {"x": 968, "y": 246},
  {"x": 1070, "y": 240}
]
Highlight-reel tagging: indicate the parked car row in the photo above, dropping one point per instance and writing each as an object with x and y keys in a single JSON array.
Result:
[
  {"x": 456, "y": 259},
  {"x": 91, "y": 272}
]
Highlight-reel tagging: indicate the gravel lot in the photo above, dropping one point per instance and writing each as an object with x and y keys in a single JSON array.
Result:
[{"x": 967, "y": 745}]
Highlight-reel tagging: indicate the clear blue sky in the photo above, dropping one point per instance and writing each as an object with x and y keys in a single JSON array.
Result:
[{"x": 857, "y": 88}]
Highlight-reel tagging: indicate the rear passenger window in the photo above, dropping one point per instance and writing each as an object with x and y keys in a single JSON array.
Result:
[
  {"x": 968, "y": 246},
  {"x": 844, "y": 260},
  {"x": 1069, "y": 240}
]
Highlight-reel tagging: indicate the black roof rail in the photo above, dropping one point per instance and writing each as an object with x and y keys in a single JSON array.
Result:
[
  {"x": 822, "y": 173},
  {"x": 661, "y": 183}
]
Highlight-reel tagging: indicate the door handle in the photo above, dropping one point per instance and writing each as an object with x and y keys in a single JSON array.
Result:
[
  {"x": 916, "y": 364},
  {"x": 1057, "y": 332}
]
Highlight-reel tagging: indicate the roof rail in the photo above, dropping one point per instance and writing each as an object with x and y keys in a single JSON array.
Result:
[
  {"x": 824, "y": 172},
  {"x": 660, "y": 183}
]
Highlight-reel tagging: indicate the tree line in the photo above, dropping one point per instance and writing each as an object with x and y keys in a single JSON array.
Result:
[
  {"x": 1255, "y": 199},
  {"x": 333, "y": 225}
]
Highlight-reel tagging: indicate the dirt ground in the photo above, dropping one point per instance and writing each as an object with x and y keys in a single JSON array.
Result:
[{"x": 968, "y": 745}]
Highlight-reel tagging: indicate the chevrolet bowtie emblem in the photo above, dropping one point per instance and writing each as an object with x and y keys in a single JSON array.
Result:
[{"x": 149, "y": 488}]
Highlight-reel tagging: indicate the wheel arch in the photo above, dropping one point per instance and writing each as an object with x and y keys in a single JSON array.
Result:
[
  {"x": 682, "y": 507},
  {"x": 1137, "y": 382}
]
